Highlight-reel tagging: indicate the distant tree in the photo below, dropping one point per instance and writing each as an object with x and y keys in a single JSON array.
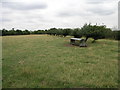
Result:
[
  {"x": 52, "y": 31},
  {"x": 108, "y": 33},
  {"x": 116, "y": 35},
  {"x": 17, "y": 32},
  {"x": 59, "y": 32},
  {"x": 77, "y": 33},
  {"x": 88, "y": 31},
  {"x": 4, "y": 32},
  {"x": 66, "y": 32},
  {"x": 26, "y": 32},
  {"x": 0, "y": 32}
]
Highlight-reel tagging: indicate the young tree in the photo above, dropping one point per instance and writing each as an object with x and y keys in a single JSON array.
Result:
[{"x": 94, "y": 31}]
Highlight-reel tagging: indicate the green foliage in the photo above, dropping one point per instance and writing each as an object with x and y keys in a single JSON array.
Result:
[
  {"x": 59, "y": 32},
  {"x": 77, "y": 33},
  {"x": 39, "y": 32},
  {"x": 14, "y": 32},
  {"x": 26, "y": 32},
  {"x": 52, "y": 31},
  {"x": 66, "y": 32},
  {"x": 116, "y": 35},
  {"x": 88, "y": 31},
  {"x": 94, "y": 31},
  {"x": 112, "y": 34}
]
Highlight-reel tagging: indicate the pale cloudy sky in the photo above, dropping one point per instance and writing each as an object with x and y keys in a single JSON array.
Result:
[{"x": 45, "y": 14}]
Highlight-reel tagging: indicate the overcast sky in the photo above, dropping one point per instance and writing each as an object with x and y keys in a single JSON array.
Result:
[{"x": 45, "y": 14}]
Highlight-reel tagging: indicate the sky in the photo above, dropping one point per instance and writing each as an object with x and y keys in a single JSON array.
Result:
[
  {"x": 119, "y": 16},
  {"x": 45, "y": 14}
]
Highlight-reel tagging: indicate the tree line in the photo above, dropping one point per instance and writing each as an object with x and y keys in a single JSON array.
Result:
[
  {"x": 87, "y": 31},
  {"x": 14, "y": 32}
]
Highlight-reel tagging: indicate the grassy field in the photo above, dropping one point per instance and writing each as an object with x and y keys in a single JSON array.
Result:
[{"x": 41, "y": 61}]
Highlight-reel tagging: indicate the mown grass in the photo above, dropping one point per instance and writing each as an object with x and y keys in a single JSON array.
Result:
[{"x": 42, "y": 61}]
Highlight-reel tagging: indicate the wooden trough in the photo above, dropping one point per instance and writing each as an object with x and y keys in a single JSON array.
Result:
[{"x": 78, "y": 41}]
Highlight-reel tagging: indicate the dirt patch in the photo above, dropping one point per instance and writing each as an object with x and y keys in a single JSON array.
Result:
[{"x": 70, "y": 45}]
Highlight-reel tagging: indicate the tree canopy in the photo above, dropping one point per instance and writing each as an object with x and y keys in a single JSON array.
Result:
[{"x": 88, "y": 31}]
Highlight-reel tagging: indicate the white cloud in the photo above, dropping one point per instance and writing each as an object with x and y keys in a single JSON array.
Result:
[
  {"x": 42, "y": 14},
  {"x": 23, "y": 6}
]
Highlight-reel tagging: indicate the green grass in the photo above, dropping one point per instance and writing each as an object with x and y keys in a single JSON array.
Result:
[{"x": 42, "y": 61}]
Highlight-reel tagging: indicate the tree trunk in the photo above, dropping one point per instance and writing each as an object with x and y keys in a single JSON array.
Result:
[{"x": 86, "y": 39}]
